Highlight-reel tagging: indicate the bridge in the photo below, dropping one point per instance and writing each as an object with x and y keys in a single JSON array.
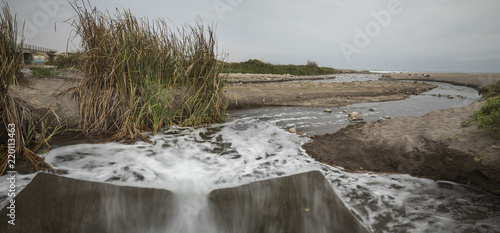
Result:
[
  {"x": 34, "y": 54},
  {"x": 34, "y": 48}
]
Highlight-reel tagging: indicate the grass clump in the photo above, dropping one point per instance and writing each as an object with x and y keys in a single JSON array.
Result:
[
  {"x": 479, "y": 157},
  {"x": 12, "y": 112},
  {"x": 488, "y": 117},
  {"x": 491, "y": 90},
  {"x": 255, "y": 66},
  {"x": 67, "y": 60},
  {"x": 41, "y": 71},
  {"x": 13, "y": 115},
  {"x": 142, "y": 75}
]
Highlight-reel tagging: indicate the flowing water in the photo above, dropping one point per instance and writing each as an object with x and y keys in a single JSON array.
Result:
[
  {"x": 317, "y": 121},
  {"x": 255, "y": 145}
]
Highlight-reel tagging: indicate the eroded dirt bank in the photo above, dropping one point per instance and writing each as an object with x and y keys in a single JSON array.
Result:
[{"x": 434, "y": 145}]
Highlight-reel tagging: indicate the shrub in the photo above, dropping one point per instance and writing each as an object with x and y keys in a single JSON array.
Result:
[
  {"x": 43, "y": 71},
  {"x": 69, "y": 60},
  {"x": 312, "y": 64},
  {"x": 488, "y": 117},
  {"x": 254, "y": 66},
  {"x": 491, "y": 90}
]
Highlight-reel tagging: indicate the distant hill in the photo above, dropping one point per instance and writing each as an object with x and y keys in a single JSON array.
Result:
[{"x": 254, "y": 66}]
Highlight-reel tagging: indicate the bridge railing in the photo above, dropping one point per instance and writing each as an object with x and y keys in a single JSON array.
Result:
[{"x": 38, "y": 48}]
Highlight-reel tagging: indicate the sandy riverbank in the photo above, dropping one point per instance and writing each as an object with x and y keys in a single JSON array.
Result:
[
  {"x": 42, "y": 95},
  {"x": 477, "y": 81},
  {"x": 42, "y": 98},
  {"x": 434, "y": 145},
  {"x": 316, "y": 94},
  {"x": 235, "y": 78}
]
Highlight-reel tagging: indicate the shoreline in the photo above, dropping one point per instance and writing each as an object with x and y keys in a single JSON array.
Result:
[
  {"x": 434, "y": 145},
  {"x": 240, "y": 78},
  {"x": 476, "y": 80},
  {"x": 425, "y": 133},
  {"x": 317, "y": 94}
]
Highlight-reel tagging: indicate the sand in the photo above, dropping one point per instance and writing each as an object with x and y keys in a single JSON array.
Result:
[
  {"x": 263, "y": 78},
  {"x": 315, "y": 94},
  {"x": 434, "y": 145},
  {"x": 477, "y": 81},
  {"x": 41, "y": 96}
]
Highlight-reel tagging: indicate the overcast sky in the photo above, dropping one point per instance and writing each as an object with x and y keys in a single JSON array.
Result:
[{"x": 438, "y": 35}]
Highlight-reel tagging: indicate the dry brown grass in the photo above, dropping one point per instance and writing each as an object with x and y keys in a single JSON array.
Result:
[
  {"x": 142, "y": 75},
  {"x": 12, "y": 112}
]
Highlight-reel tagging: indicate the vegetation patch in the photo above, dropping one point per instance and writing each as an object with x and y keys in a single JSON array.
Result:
[
  {"x": 254, "y": 66},
  {"x": 491, "y": 90},
  {"x": 488, "y": 117},
  {"x": 42, "y": 71},
  {"x": 11, "y": 111},
  {"x": 142, "y": 75},
  {"x": 67, "y": 60},
  {"x": 14, "y": 116}
]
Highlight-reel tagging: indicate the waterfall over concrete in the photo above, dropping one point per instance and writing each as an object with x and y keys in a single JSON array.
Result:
[{"x": 299, "y": 203}]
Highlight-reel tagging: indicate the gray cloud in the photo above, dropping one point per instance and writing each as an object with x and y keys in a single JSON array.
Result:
[{"x": 440, "y": 35}]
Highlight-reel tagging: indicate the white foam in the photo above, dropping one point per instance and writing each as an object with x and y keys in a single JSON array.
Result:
[
  {"x": 193, "y": 162},
  {"x": 21, "y": 180}
]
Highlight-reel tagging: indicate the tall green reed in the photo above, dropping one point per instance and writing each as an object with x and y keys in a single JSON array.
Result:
[{"x": 144, "y": 75}]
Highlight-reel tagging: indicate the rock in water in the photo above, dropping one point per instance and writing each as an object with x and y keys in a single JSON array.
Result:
[
  {"x": 355, "y": 116},
  {"x": 294, "y": 204},
  {"x": 328, "y": 110},
  {"x": 292, "y": 130},
  {"x": 372, "y": 110}
]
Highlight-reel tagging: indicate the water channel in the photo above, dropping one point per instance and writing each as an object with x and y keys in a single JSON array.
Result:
[{"x": 255, "y": 145}]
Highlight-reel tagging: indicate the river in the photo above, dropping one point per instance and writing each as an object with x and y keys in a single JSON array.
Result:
[{"x": 255, "y": 145}]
